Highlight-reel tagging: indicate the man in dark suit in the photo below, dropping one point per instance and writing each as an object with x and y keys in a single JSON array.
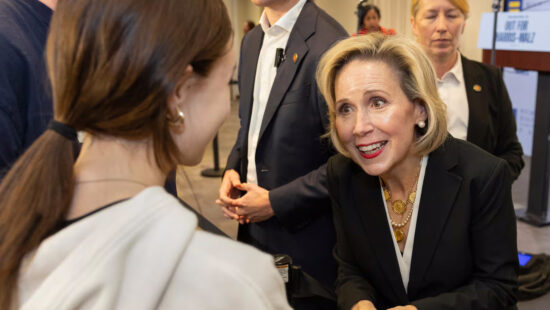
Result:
[{"x": 282, "y": 120}]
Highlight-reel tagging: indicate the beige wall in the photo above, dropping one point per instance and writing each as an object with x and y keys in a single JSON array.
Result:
[
  {"x": 469, "y": 40},
  {"x": 240, "y": 11}
]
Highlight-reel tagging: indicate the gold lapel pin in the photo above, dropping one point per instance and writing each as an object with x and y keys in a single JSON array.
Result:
[
  {"x": 295, "y": 57},
  {"x": 477, "y": 88}
]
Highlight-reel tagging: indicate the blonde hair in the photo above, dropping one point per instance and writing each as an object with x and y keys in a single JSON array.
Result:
[
  {"x": 462, "y": 5},
  {"x": 416, "y": 74}
]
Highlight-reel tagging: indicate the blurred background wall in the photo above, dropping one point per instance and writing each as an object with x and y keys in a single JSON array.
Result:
[{"x": 395, "y": 14}]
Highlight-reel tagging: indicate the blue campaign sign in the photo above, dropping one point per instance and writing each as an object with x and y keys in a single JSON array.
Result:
[{"x": 516, "y": 31}]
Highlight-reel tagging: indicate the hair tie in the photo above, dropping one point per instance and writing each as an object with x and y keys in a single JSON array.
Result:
[{"x": 62, "y": 129}]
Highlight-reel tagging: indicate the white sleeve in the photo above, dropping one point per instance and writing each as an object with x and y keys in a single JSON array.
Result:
[{"x": 219, "y": 273}]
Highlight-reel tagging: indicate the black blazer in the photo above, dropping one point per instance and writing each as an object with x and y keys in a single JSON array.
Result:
[
  {"x": 289, "y": 145},
  {"x": 491, "y": 123},
  {"x": 464, "y": 254},
  {"x": 491, "y": 126}
]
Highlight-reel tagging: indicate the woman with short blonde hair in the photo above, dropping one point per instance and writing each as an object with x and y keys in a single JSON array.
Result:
[
  {"x": 479, "y": 109},
  {"x": 416, "y": 79},
  {"x": 423, "y": 220}
]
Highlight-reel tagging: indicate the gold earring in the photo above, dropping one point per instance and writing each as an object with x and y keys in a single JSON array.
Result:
[{"x": 177, "y": 120}]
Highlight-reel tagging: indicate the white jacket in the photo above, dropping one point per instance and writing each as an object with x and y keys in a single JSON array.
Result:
[{"x": 145, "y": 253}]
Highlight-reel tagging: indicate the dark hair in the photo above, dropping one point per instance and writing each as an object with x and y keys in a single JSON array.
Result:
[
  {"x": 250, "y": 24},
  {"x": 364, "y": 9},
  {"x": 113, "y": 66}
]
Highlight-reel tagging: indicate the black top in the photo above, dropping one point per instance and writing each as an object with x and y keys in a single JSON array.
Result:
[
  {"x": 70, "y": 222},
  {"x": 465, "y": 250},
  {"x": 25, "y": 96}
]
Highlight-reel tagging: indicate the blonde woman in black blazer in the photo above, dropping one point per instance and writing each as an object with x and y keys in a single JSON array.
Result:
[
  {"x": 489, "y": 121},
  {"x": 423, "y": 220}
]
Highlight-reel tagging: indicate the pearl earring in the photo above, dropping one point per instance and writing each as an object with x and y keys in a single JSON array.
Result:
[
  {"x": 178, "y": 119},
  {"x": 421, "y": 124}
]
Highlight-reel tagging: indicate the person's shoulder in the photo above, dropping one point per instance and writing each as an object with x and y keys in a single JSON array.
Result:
[
  {"x": 12, "y": 58},
  {"x": 340, "y": 161},
  {"x": 326, "y": 24},
  {"x": 13, "y": 36},
  {"x": 473, "y": 161},
  {"x": 225, "y": 252},
  {"x": 254, "y": 35},
  {"x": 12, "y": 22},
  {"x": 340, "y": 166},
  {"x": 476, "y": 67},
  {"x": 9, "y": 36},
  {"x": 236, "y": 268}
]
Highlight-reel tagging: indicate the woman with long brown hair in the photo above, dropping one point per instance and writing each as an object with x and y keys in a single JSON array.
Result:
[{"x": 145, "y": 81}]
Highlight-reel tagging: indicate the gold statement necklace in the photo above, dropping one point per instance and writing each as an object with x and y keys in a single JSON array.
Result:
[{"x": 399, "y": 207}]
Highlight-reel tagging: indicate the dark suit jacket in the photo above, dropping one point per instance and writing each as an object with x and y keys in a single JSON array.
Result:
[
  {"x": 464, "y": 254},
  {"x": 289, "y": 144},
  {"x": 491, "y": 124}
]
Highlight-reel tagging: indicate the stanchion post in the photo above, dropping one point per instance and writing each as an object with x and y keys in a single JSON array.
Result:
[{"x": 216, "y": 172}]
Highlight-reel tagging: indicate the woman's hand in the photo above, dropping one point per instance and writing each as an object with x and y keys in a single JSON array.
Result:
[
  {"x": 407, "y": 307},
  {"x": 364, "y": 305}
]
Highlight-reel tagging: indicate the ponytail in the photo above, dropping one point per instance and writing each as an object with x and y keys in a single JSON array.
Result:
[
  {"x": 113, "y": 66},
  {"x": 35, "y": 197}
]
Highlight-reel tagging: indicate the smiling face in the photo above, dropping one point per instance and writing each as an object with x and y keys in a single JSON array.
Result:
[
  {"x": 438, "y": 25},
  {"x": 371, "y": 21},
  {"x": 375, "y": 121}
]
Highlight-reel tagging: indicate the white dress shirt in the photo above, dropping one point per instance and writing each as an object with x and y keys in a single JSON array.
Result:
[
  {"x": 275, "y": 37},
  {"x": 404, "y": 260},
  {"x": 452, "y": 90}
]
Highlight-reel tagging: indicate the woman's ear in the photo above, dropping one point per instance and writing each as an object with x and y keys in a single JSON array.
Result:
[
  {"x": 420, "y": 112},
  {"x": 175, "y": 113},
  {"x": 182, "y": 89}
]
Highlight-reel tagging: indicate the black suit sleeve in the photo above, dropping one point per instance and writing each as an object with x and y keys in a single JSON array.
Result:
[
  {"x": 508, "y": 146},
  {"x": 351, "y": 284},
  {"x": 295, "y": 204},
  {"x": 235, "y": 156},
  {"x": 493, "y": 239}
]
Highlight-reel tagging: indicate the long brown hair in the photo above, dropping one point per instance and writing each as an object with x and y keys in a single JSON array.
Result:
[{"x": 113, "y": 64}]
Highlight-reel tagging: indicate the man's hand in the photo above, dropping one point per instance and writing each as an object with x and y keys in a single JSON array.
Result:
[
  {"x": 229, "y": 192},
  {"x": 363, "y": 305},
  {"x": 254, "y": 206}
]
